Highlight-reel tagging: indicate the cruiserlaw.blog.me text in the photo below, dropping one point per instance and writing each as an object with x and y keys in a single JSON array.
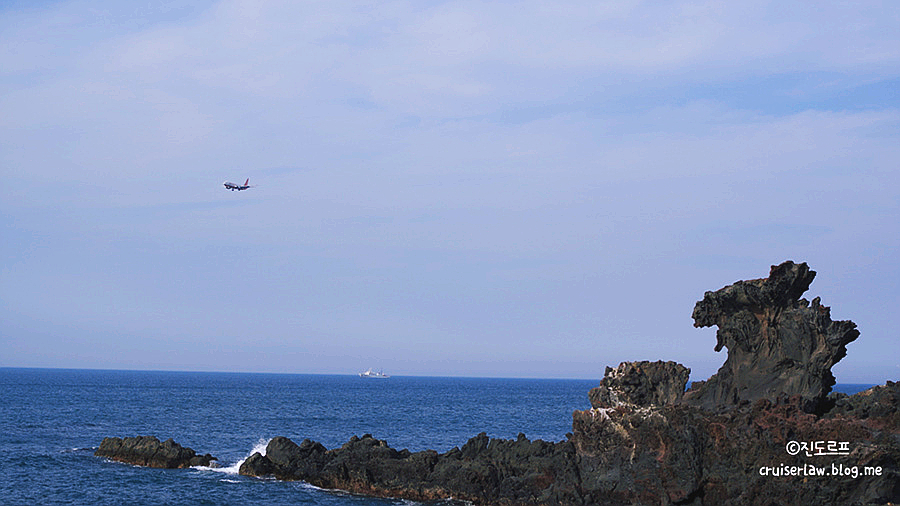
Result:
[
  {"x": 813, "y": 470},
  {"x": 819, "y": 449}
]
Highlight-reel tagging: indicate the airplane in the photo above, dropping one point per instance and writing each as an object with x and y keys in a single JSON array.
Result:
[{"x": 232, "y": 186}]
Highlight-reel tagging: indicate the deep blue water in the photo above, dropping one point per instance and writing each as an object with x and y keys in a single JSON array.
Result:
[
  {"x": 851, "y": 388},
  {"x": 51, "y": 421}
]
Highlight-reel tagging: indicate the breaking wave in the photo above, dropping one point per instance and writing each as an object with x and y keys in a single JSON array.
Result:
[{"x": 259, "y": 447}]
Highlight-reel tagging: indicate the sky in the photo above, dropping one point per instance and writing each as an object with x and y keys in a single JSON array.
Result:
[{"x": 460, "y": 188}]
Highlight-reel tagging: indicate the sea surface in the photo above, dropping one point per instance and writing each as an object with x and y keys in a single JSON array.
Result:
[{"x": 52, "y": 420}]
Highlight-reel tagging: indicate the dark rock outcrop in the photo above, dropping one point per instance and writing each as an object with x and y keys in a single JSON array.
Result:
[
  {"x": 641, "y": 383},
  {"x": 484, "y": 470},
  {"x": 625, "y": 455},
  {"x": 878, "y": 405},
  {"x": 682, "y": 454},
  {"x": 727, "y": 441},
  {"x": 638, "y": 455},
  {"x": 150, "y": 452},
  {"x": 732, "y": 440},
  {"x": 777, "y": 343}
]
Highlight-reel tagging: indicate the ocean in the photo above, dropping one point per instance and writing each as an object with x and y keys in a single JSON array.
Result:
[{"x": 52, "y": 420}]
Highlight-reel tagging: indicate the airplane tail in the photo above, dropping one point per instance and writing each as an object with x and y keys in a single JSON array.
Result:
[{"x": 247, "y": 182}]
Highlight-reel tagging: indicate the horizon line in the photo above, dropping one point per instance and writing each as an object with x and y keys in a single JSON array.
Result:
[{"x": 184, "y": 371}]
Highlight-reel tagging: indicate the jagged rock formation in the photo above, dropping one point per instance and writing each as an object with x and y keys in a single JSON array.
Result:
[
  {"x": 641, "y": 383},
  {"x": 150, "y": 452},
  {"x": 878, "y": 404},
  {"x": 484, "y": 470},
  {"x": 727, "y": 441},
  {"x": 777, "y": 343},
  {"x": 626, "y": 455},
  {"x": 682, "y": 454}
]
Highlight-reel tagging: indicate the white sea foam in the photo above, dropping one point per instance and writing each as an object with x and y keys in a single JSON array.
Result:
[
  {"x": 448, "y": 500},
  {"x": 260, "y": 448},
  {"x": 80, "y": 449}
]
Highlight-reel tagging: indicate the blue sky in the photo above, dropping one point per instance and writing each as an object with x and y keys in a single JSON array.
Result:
[{"x": 443, "y": 188}]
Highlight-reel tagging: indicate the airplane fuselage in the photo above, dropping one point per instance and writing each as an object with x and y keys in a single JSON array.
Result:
[{"x": 234, "y": 186}]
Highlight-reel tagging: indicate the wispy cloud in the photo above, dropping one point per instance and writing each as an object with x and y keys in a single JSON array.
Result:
[{"x": 455, "y": 173}]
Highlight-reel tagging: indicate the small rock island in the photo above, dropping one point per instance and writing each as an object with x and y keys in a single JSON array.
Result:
[
  {"x": 765, "y": 429},
  {"x": 148, "y": 451}
]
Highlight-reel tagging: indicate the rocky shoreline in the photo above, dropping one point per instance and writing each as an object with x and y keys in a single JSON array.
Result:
[
  {"x": 148, "y": 451},
  {"x": 764, "y": 429}
]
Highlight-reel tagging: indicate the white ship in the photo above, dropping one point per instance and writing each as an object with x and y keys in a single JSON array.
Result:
[{"x": 372, "y": 374}]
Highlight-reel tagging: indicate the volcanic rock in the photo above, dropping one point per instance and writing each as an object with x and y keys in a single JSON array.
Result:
[
  {"x": 778, "y": 344},
  {"x": 484, "y": 470},
  {"x": 148, "y": 451},
  {"x": 878, "y": 405},
  {"x": 762, "y": 430},
  {"x": 641, "y": 383},
  {"x": 683, "y": 454}
]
